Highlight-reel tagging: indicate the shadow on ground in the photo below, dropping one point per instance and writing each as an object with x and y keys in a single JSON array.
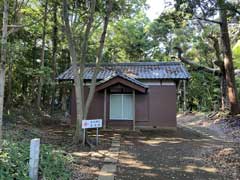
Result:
[{"x": 164, "y": 155}]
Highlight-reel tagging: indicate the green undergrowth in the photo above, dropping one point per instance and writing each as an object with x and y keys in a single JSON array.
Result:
[
  {"x": 14, "y": 159},
  {"x": 32, "y": 116}
]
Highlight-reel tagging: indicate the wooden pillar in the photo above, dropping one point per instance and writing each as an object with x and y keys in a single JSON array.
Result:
[
  {"x": 105, "y": 110},
  {"x": 179, "y": 94},
  {"x": 134, "y": 120},
  {"x": 184, "y": 96},
  {"x": 64, "y": 98}
]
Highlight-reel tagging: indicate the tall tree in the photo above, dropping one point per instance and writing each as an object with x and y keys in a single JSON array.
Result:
[
  {"x": 197, "y": 45},
  {"x": 10, "y": 76},
  {"x": 39, "y": 95},
  {"x": 99, "y": 56},
  {"x": 207, "y": 11},
  {"x": 82, "y": 108},
  {"x": 77, "y": 82},
  {"x": 130, "y": 40},
  {"x": 228, "y": 60},
  {"x": 54, "y": 51},
  {"x": 2, "y": 64}
]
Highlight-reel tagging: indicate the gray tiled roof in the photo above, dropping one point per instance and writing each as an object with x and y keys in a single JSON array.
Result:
[
  {"x": 124, "y": 77},
  {"x": 138, "y": 70}
]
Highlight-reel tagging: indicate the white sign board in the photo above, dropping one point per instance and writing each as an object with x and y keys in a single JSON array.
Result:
[{"x": 93, "y": 123}]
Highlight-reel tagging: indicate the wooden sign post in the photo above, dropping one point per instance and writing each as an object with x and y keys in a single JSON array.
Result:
[
  {"x": 34, "y": 158},
  {"x": 89, "y": 124}
]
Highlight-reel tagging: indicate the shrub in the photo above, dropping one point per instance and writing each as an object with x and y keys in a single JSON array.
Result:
[{"x": 14, "y": 161}]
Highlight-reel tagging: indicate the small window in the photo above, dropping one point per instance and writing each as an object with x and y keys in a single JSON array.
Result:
[{"x": 121, "y": 107}]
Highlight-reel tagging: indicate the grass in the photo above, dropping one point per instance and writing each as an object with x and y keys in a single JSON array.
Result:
[
  {"x": 14, "y": 160},
  {"x": 56, "y": 161}
]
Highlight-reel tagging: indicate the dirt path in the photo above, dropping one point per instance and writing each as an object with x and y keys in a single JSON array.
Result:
[{"x": 166, "y": 155}]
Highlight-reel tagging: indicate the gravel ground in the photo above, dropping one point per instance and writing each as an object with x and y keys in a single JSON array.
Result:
[{"x": 164, "y": 155}]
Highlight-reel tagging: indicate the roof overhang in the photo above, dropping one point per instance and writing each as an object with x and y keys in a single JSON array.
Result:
[{"x": 126, "y": 81}]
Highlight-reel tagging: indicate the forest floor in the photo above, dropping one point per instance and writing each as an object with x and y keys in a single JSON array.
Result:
[
  {"x": 217, "y": 125},
  {"x": 226, "y": 130},
  {"x": 181, "y": 154}
]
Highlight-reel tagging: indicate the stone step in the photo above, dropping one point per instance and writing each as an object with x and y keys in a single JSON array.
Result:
[
  {"x": 114, "y": 149},
  {"x": 110, "y": 160},
  {"x": 113, "y": 155},
  {"x": 116, "y": 144},
  {"x": 109, "y": 168},
  {"x": 106, "y": 177}
]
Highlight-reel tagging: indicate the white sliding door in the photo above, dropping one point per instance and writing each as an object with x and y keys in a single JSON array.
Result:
[
  {"x": 127, "y": 106},
  {"x": 121, "y": 106},
  {"x": 115, "y": 106}
]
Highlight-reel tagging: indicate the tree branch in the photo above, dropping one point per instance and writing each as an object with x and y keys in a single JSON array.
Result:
[
  {"x": 231, "y": 7},
  {"x": 87, "y": 31},
  {"x": 17, "y": 27},
  {"x": 219, "y": 62},
  {"x": 208, "y": 20},
  {"x": 215, "y": 71},
  {"x": 195, "y": 65}
]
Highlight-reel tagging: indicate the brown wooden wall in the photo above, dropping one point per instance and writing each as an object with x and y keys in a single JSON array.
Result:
[{"x": 156, "y": 108}]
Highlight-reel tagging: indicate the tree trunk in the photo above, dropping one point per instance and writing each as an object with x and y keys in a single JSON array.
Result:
[
  {"x": 99, "y": 55},
  {"x": 33, "y": 80},
  {"x": 64, "y": 99},
  {"x": 224, "y": 98},
  {"x": 84, "y": 48},
  {"x": 219, "y": 62},
  {"x": 54, "y": 52},
  {"x": 9, "y": 92},
  {"x": 228, "y": 60},
  {"x": 82, "y": 110},
  {"x": 40, "y": 86},
  {"x": 98, "y": 59},
  {"x": 77, "y": 81},
  {"x": 2, "y": 64}
]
